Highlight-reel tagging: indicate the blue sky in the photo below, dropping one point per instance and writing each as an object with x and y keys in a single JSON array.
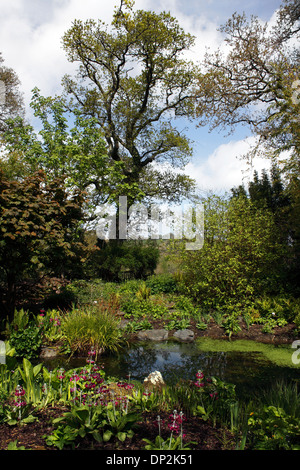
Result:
[{"x": 30, "y": 38}]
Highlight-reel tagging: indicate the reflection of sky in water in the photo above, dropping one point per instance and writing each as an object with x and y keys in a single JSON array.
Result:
[
  {"x": 184, "y": 360},
  {"x": 178, "y": 361}
]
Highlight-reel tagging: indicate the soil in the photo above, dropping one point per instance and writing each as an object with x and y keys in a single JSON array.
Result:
[{"x": 203, "y": 435}]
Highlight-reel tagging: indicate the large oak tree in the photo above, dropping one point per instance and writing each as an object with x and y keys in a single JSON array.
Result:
[{"x": 132, "y": 78}]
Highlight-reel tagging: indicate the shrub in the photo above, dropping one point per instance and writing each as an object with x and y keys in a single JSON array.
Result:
[
  {"x": 135, "y": 258},
  {"x": 143, "y": 308},
  {"x": 163, "y": 283},
  {"x": 26, "y": 342}
]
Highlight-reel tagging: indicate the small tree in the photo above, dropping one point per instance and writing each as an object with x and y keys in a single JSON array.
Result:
[
  {"x": 241, "y": 256},
  {"x": 39, "y": 229}
]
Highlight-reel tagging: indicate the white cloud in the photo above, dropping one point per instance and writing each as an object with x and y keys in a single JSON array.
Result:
[
  {"x": 225, "y": 168},
  {"x": 31, "y": 32},
  {"x": 30, "y": 37}
]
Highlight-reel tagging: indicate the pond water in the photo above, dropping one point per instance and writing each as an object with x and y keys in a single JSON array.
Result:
[{"x": 247, "y": 369}]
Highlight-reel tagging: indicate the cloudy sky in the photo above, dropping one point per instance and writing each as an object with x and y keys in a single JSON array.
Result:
[{"x": 30, "y": 42}]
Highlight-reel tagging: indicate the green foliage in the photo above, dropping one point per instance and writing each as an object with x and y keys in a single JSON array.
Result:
[
  {"x": 39, "y": 228},
  {"x": 118, "y": 424},
  {"x": 115, "y": 259},
  {"x": 163, "y": 83},
  {"x": 143, "y": 308},
  {"x": 231, "y": 325},
  {"x": 79, "y": 422},
  {"x": 171, "y": 443},
  {"x": 241, "y": 257},
  {"x": 27, "y": 342},
  {"x": 84, "y": 328},
  {"x": 61, "y": 437},
  {"x": 78, "y": 153},
  {"x": 216, "y": 398},
  {"x": 137, "y": 325},
  {"x": 100, "y": 422},
  {"x": 50, "y": 324},
  {"x": 144, "y": 292},
  {"x": 85, "y": 292},
  {"x": 284, "y": 395},
  {"x": 162, "y": 283},
  {"x": 272, "y": 429},
  {"x": 14, "y": 103},
  {"x": 19, "y": 321},
  {"x": 14, "y": 446},
  {"x": 255, "y": 56},
  {"x": 20, "y": 415},
  {"x": 177, "y": 324},
  {"x": 271, "y": 418}
]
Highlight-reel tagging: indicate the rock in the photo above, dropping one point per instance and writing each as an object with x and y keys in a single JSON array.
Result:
[
  {"x": 154, "y": 381},
  {"x": 123, "y": 324},
  {"x": 186, "y": 336},
  {"x": 48, "y": 352},
  {"x": 153, "y": 335}
]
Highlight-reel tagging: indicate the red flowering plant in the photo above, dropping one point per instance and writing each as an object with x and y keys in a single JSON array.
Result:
[
  {"x": 174, "y": 424},
  {"x": 216, "y": 396},
  {"x": 20, "y": 412},
  {"x": 50, "y": 324}
]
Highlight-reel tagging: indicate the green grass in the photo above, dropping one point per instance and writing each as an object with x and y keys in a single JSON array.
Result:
[{"x": 86, "y": 328}]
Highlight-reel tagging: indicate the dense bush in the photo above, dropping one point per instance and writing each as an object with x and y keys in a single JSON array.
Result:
[
  {"x": 27, "y": 342},
  {"x": 116, "y": 260},
  {"x": 162, "y": 283},
  {"x": 241, "y": 258}
]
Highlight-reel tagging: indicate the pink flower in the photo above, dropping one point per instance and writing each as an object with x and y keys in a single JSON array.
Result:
[
  {"x": 19, "y": 392},
  {"x": 20, "y": 403},
  {"x": 199, "y": 384},
  {"x": 129, "y": 386},
  {"x": 199, "y": 374}
]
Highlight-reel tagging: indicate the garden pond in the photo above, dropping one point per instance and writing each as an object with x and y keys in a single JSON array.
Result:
[{"x": 249, "y": 365}]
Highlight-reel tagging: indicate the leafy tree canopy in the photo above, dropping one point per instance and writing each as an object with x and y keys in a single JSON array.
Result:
[
  {"x": 11, "y": 100},
  {"x": 39, "y": 228},
  {"x": 254, "y": 81},
  {"x": 133, "y": 81}
]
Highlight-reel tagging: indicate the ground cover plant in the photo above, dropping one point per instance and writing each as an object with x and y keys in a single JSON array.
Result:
[
  {"x": 84, "y": 408},
  {"x": 107, "y": 315}
]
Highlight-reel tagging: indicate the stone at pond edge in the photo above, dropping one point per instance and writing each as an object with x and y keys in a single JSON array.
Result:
[
  {"x": 186, "y": 336},
  {"x": 153, "y": 335},
  {"x": 154, "y": 381},
  {"x": 48, "y": 352}
]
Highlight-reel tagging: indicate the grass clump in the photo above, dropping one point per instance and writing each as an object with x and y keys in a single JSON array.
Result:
[{"x": 92, "y": 327}]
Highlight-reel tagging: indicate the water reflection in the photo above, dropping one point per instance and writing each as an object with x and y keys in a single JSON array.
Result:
[
  {"x": 175, "y": 360},
  {"x": 182, "y": 360}
]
